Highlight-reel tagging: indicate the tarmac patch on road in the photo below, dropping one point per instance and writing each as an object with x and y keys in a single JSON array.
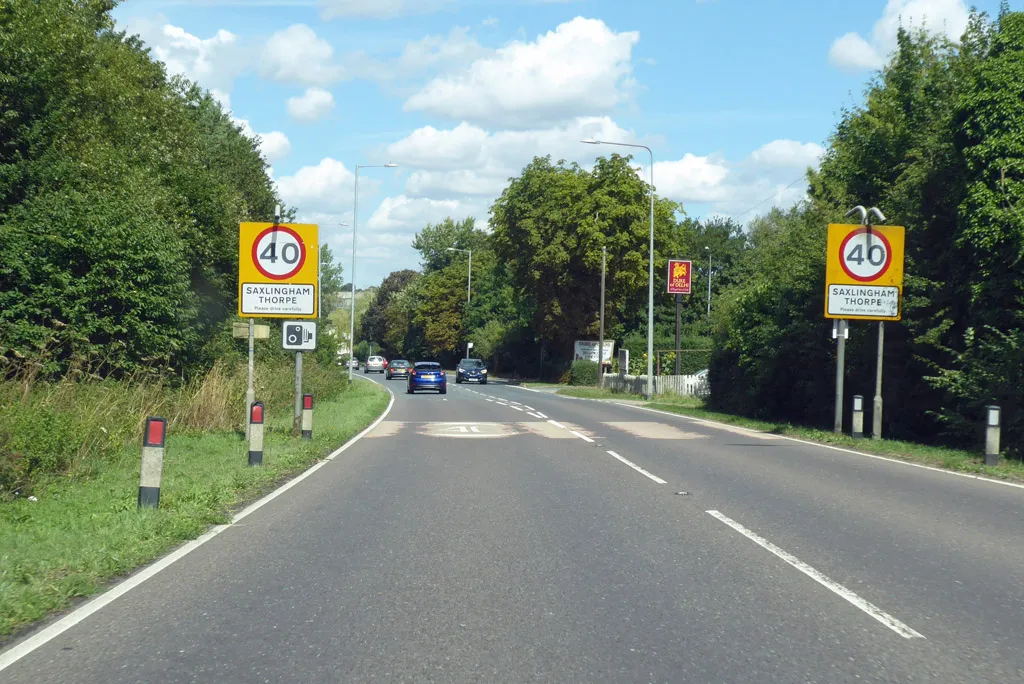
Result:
[{"x": 649, "y": 430}]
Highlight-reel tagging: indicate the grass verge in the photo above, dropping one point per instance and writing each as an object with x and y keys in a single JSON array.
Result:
[
  {"x": 939, "y": 457},
  {"x": 84, "y": 532}
]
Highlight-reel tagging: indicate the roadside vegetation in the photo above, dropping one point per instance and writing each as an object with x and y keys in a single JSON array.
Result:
[
  {"x": 72, "y": 524},
  {"x": 121, "y": 191}
]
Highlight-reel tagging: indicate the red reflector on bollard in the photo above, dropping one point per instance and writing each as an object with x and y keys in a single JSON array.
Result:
[
  {"x": 155, "y": 431},
  {"x": 307, "y": 401},
  {"x": 257, "y": 413}
]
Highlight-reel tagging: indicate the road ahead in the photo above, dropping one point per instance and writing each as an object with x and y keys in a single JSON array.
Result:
[{"x": 503, "y": 535}]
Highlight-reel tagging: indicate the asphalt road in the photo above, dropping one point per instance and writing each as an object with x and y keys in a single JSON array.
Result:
[{"x": 503, "y": 535}]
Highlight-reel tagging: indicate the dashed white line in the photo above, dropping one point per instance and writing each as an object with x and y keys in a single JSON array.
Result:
[
  {"x": 537, "y": 415},
  {"x": 637, "y": 468},
  {"x": 556, "y": 424},
  {"x": 541, "y": 414},
  {"x": 515, "y": 408},
  {"x": 869, "y": 608},
  {"x": 582, "y": 436}
]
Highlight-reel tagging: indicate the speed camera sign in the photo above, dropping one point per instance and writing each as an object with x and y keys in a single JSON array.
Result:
[{"x": 864, "y": 272}]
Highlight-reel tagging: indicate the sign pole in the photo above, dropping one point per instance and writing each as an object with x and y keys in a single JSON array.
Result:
[
  {"x": 876, "y": 415},
  {"x": 679, "y": 327},
  {"x": 600, "y": 344},
  {"x": 250, "y": 393},
  {"x": 297, "y": 419},
  {"x": 840, "y": 331}
]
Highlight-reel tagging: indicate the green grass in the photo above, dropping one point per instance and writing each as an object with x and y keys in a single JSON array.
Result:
[
  {"x": 940, "y": 457},
  {"x": 83, "y": 532}
]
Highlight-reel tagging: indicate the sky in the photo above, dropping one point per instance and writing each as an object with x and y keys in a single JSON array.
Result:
[{"x": 736, "y": 98}]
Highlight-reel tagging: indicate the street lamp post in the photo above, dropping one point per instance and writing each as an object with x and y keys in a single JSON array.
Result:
[
  {"x": 355, "y": 228},
  {"x": 469, "y": 281},
  {"x": 708, "y": 250},
  {"x": 650, "y": 274}
]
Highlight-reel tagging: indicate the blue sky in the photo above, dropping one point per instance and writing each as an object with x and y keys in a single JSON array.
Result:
[{"x": 736, "y": 97}]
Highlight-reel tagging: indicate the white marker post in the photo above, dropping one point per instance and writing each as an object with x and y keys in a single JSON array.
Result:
[
  {"x": 307, "y": 416},
  {"x": 153, "y": 443},
  {"x": 857, "y": 430},
  {"x": 256, "y": 434},
  {"x": 992, "y": 435}
]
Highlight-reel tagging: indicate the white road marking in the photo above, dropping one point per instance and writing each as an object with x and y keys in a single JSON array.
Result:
[
  {"x": 637, "y": 468},
  {"x": 582, "y": 436},
  {"x": 833, "y": 448},
  {"x": 29, "y": 645},
  {"x": 541, "y": 414},
  {"x": 556, "y": 424},
  {"x": 528, "y": 408},
  {"x": 869, "y": 608},
  {"x": 537, "y": 415},
  {"x": 515, "y": 408}
]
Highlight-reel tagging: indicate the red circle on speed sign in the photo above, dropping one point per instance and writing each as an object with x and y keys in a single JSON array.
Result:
[
  {"x": 278, "y": 252},
  {"x": 865, "y": 257}
]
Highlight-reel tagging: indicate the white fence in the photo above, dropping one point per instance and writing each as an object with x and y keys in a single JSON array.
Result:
[{"x": 687, "y": 385}]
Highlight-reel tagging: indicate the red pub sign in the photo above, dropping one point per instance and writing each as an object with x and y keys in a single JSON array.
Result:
[{"x": 679, "y": 276}]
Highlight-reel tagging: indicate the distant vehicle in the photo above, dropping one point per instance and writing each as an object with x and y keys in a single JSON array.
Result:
[
  {"x": 427, "y": 375},
  {"x": 374, "y": 364},
  {"x": 398, "y": 368},
  {"x": 471, "y": 370},
  {"x": 352, "y": 363}
]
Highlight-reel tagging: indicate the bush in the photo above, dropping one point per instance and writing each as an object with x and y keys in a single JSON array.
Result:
[{"x": 583, "y": 372}]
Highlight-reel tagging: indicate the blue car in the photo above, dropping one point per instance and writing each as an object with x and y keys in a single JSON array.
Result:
[{"x": 427, "y": 375}]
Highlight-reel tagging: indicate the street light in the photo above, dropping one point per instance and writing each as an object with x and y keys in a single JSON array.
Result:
[
  {"x": 650, "y": 275},
  {"x": 708, "y": 250},
  {"x": 355, "y": 228},
  {"x": 469, "y": 280}
]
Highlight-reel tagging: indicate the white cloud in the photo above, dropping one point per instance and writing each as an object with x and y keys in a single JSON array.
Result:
[
  {"x": 430, "y": 54},
  {"x": 326, "y": 187},
  {"x": 213, "y": 62},
  {"x": 378, "y": 9},
  {"x": 312, "y": 105},
  {"x": 489, "y": 21},
  {"x": 787, "y": 154},
  {"x": 297, "y": 55},
  {"x": 274, "y": 145},
  {"x": 581, "y": 68},
  {"x": 407, "y": 214},
  {"x": 468, "y": 160},
  {"x": 852, "y": 52},
  {"x": 731, "y": 188}
]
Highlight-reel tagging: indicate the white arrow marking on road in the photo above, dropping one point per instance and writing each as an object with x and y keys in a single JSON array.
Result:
[{"x": 869, "y": 608}]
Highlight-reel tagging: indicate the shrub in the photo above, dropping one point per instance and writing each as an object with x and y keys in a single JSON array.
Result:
[{"x": 583, "y": 372}]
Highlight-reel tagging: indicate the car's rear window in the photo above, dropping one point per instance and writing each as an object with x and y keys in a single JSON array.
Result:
[
  {"x": 428, "y": 366},
  {"x": 399, "y": 364}
]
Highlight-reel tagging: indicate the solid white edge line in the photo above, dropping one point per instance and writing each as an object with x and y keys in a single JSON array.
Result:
[
  {"x": 869, "y": 608},
  {"x": 637, "y": 468},
  {"x": 526, "y": 389},
  {"x": 581, "y": 436},
  {"x": 828, "y": 446},
  {"x": 22, "y": 649}
]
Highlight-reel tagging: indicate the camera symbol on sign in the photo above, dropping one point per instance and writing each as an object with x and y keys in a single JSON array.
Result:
[{"x": 297, "y": 335}]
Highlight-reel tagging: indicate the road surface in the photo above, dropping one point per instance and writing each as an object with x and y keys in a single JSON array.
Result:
[{"x": 503, "y": 535}]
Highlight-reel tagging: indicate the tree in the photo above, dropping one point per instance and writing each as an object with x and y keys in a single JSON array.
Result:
[
  {"x": 434, "y": 240},
  {"x": 373, "y": 326}
]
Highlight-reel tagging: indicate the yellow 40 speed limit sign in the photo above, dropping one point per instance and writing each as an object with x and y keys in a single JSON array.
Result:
[
  {"x": 278, "y": 268},
  {"x": 864, "y": 272}
]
